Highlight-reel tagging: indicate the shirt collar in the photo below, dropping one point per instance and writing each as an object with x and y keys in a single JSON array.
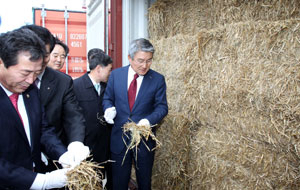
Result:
[
  {"x": 131, "y": 72},
  {"x": 92, "y": 80},
  {"x": 40, "y": 76},
  {"x": 6, "y": 91}
]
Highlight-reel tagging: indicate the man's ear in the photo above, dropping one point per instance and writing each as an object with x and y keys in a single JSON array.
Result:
[
  {"x": 98, "y": 67},
  {"x": 129, "y": 59}
]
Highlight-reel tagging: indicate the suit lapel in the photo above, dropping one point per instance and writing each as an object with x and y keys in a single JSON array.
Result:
[
  {"x": 124, "y": 85},
  {"x": 143, "y": 88},
  {"x": 31, "y": 114},
  {"x": 47, "y": 85},
  {"x": 103, "y": 86},
  {"x": 88, "y": 84},
  {"x": 12, "y": 114}
]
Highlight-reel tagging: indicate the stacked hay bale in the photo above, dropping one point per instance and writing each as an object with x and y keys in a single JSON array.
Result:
[{"x": 234, "y": 94}]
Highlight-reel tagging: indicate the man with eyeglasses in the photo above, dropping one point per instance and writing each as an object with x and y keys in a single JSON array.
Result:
[{"x": 134, "y": 93}]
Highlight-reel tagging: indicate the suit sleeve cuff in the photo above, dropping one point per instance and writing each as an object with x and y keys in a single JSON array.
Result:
[{"x": 38, "y": 182}]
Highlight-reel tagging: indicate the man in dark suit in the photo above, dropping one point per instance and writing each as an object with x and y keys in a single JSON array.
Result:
[
  {"x": 134, "y": 93},
  {"x": 89, "y": 90},
  {"x": 61, "y": 107},
  {"x": 24, "y": 129}
]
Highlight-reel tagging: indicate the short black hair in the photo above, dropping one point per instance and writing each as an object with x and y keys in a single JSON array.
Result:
[
  {"x": 17, "y": 41},
  {"x": 94, "y": 51},
  {"x": 43, "y": 33},
  {"x": 62, "y": 44},
  {"x": 96, "y": 57}
]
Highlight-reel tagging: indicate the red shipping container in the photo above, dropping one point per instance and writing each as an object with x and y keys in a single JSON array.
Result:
[{"x": 54, "y": 20}]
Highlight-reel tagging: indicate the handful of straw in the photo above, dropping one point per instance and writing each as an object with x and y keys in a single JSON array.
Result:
[
  {"x": 85, "y": 176},
  {"x": 136, "y": 134}
]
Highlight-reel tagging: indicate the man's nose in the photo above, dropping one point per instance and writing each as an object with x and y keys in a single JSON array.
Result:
[{"x": 31, "y": 78}]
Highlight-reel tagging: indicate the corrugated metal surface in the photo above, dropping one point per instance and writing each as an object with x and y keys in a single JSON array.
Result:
[
  {"x": 96, "y": 25},
  {"x": 76, "y": 36}
]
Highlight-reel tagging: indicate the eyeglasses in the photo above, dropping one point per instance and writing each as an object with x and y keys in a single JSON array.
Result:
[{"x": 141, "y": 61}]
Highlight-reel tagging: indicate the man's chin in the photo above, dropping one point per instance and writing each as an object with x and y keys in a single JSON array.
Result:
[{"x": 22, "y": 89}]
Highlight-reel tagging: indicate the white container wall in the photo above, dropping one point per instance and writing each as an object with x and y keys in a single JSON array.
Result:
[{"x": 95, "y": 25}]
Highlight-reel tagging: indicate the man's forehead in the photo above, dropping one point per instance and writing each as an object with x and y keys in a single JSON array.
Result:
[{"x": 143, "y": 53}]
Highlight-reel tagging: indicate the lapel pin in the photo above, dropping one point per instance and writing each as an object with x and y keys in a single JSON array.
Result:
[
  {"x": 48, "y": 88},
  {"x": 27, "y": 95}
]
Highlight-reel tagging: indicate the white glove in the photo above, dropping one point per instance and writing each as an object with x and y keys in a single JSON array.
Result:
[
  {"x": 144, "y": 122},
  {"x": 75, "y": 154},
  {"x": 55, "y": 179},
  {"x": 110, "y": 114}
]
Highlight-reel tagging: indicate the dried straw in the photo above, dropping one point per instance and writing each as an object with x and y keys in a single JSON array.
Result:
[
  {"x": 169, "y": 18},
  {"x": 172, "y": 159},
  {"x": 237, "y": 86},
  {"x": 85, "y": 176},
  {"x": 136, "y": 134}
]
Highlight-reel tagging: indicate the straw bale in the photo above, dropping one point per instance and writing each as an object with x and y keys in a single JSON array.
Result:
[
  {"x": 170, "y": 53},
  {"x": 171, "y": 17},
  {"x": 171, "y": 159},
  {"x": 238, "y": 86}
]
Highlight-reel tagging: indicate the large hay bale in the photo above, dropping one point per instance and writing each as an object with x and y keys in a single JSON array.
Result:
[
  {"x": 170, "y": 60},
  {"x": 239, "y": 87},
  {"x": 171, "y": 159},
  {"x": 246, "y": 88},
  {"x": 171, "y": 17}
]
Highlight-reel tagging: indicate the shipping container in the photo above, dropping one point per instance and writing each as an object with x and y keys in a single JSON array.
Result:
[
  {"x": 70, "y": 27},
  {"x": 113, "y": 24}
]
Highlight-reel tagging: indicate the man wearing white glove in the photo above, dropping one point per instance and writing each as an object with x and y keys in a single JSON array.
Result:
[
  {"x": 134, "y": 93},
  {"x": 23, "y": 125},
  {"x": 89, "y": 90},
  {"x": 61, "y": 106}
]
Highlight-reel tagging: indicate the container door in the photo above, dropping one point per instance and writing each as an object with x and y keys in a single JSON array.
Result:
[
  {"x": 115, "y": 32},
  {"x": 76, "y": 37}
]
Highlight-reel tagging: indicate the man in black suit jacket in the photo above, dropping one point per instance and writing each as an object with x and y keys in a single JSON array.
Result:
[
  {"x": 61, "y": 107},
  {"x": 24, "y": 128},
  {"x": 90, "y": 99}
]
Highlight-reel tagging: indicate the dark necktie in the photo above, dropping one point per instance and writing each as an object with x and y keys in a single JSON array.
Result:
[
  {"x": 14, "y": 100},
  {"x": 132, "y": 91}
]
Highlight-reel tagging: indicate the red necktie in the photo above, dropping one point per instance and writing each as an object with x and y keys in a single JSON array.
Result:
[
  {"x": 132, "y": 91},
  {"x": 14, "y": 100}
]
